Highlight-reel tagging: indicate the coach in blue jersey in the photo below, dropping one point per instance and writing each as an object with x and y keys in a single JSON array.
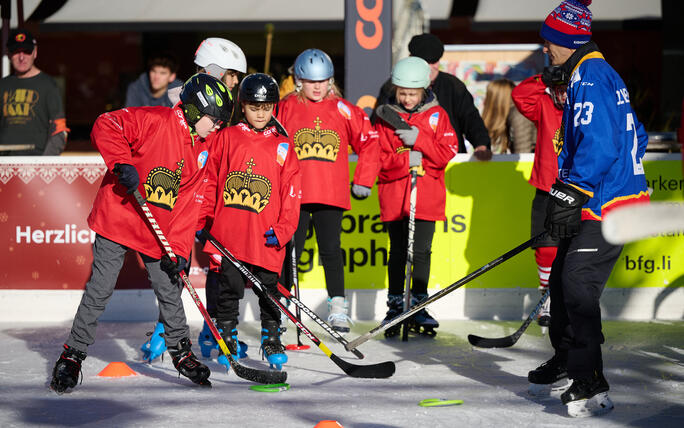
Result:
[{"x": 599, "y": 168}]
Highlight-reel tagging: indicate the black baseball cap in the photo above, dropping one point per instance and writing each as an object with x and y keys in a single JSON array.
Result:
[{"x": 20, "y": 40}]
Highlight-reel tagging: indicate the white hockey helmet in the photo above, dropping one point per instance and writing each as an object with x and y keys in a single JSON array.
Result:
[{"x": 221, "y": 52}]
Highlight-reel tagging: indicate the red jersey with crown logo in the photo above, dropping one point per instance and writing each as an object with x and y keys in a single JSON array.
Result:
[
  {"x": 322, "y": 133},
  {"x": 253, "y": 184},
  {"x": 438, "y": 143},
  {"x": 170, "y": 163},
  {"x": 532, "y": 100}
]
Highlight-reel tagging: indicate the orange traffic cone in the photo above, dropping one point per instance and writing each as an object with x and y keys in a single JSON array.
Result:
[
  {"x": 328, "y": 424},
  {"x": 117, "y": 369}
]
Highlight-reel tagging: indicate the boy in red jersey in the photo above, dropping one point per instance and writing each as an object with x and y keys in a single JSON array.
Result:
[
  {"x": 166, "y": 148},
  {"x": 251, "y": 203}
]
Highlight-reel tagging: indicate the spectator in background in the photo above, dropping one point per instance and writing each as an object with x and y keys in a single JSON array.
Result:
[
  {"x": 151, "y": 88},
  {"x": 452, "y": 95},
  {"x": 32, "y": 111},
  {"x": 509, "y": 131}
]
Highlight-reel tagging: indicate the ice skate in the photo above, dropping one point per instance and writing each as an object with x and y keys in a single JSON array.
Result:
[
  {"x": 206, "y": 341},
  {"x": 549, "y": 379},
  {"x": 422, "y": 322},
  {"x": 395, "y": 306},
  {"x": 588, "y": 397},
  {"x": 67, "y": 370},
  {"x": 187, "y": 364},
  {"x": 155, "y": 345},
  {"x": 271, "y": 347},
  {"x": 228, "y": 330},
  {"x": 338, "y": 308},
  {"x": 544, "y": 316}
]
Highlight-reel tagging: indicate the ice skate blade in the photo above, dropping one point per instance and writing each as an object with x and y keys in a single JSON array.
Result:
[
  {"x": 597, "y": 405},
  {"x": 549, "y": 390}
]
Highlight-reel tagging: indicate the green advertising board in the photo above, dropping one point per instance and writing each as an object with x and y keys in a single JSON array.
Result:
[{"x": 488, "y": 213}]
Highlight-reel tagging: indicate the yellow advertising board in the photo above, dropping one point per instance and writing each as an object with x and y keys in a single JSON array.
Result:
[{"x": 488, "y": 213}]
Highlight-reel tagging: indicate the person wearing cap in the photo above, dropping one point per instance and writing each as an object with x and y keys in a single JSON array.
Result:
[
  {"x": 151, "y": 88},
  {"x": 32, "y": 110},
  {"x": 600, "y": 167},
  {"x": 452, "y": 95}
]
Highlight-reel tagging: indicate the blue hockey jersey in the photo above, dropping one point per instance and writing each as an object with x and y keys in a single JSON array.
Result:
[{"x": 603, "y": 141}]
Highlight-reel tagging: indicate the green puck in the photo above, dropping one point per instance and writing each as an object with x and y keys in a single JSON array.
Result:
[
  {"x": 273, "y": 387},
  {"x": 435, "y": 402}
]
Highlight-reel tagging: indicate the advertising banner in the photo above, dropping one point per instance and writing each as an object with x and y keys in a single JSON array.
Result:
[{"x": 46, "y": 243}]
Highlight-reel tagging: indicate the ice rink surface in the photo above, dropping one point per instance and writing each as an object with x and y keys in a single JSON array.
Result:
[{"x": 644, "y": 364}]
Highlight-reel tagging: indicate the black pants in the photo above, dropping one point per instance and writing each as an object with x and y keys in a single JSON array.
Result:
[
  {"x": 327, "y": 223},
  {"x": 231, "y": 289},
  {"x": 578, "y": 276},
  {"x": 422, "y": 250}
]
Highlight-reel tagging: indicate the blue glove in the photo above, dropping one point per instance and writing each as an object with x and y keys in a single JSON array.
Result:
[
  {"x": 128, "y": 176},
  {"x": 408, "y": 136},
  {"x": 360, "y": 192},
  {"x": 171, "y": 268},
  {"x": 271, "y": 238}
]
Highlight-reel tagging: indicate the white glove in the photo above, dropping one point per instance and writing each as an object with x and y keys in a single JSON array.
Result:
[
  {"x": 415, "y": 158},
  {"x": 361, "y": 192},
  {"x": 408, "y": 136}
]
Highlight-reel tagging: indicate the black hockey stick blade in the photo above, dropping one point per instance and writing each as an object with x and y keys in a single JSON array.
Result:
[
  {"x": 391, "y": 117},
  {"x": 373, "y": 371},
  {"x": 508, "y": 341}
]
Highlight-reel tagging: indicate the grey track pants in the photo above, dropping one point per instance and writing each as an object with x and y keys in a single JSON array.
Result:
[{"x": 108, "y": 257}]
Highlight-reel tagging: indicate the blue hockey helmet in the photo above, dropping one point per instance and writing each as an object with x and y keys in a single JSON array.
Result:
[{"x": 313, "y": 64}]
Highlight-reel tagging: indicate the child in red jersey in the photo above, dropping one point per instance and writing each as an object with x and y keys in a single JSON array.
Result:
[
  {"x": 251, "y": 206},
  {"x": 164, "y": 148},
  {"x": 540, "y": 99},
  {"x": 323, "y": 125},
  {"x": 428, "y": 146}
]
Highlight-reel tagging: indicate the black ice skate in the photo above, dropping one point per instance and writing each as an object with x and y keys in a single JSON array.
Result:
[
  {"x": 185, "y": 361},
  {"x": 544, "y": 317},
  {"x": 422, "y": 322},
  {"x": 588, "y": 397},
  {"x": 544, "y": 380},
  {"x": 67, "y": 370},
  {"x": 395, "y": 305}
]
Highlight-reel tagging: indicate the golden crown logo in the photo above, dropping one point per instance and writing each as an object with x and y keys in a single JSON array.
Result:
[
  {"x": 558, "y": 139},
  {"x": 162, "y": 185},
  {"x": 317, "y": 144},
  {"x": 247, "y": 191}
]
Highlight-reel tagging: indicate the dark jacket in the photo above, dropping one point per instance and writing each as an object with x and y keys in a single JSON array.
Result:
[{"x": 453, "y": 96}]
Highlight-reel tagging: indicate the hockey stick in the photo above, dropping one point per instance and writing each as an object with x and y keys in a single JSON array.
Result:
[
  {"x": 639, "y": 221},
  {"x": 254, "y": 375},
  {"x": 295, "y": 283},
  {"x": 409, "y": 251},
  {"x": 391, "y": 117},
  {"x": 505, "y": 342},
  {"x": 378, "y": 371},
  {"x": 399, "y": 318}
]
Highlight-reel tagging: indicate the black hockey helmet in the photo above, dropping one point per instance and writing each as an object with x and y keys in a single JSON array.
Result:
[
  {"x": 205, "y": 95},
  {"x": 259, "y": 88}
]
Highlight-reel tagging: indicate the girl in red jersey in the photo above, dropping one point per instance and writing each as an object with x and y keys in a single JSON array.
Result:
[
  {"x": 251, "y": 203},
  {"x": 427, "y": 146},
  {"x": 323, "y": 125},
  {"x": 541, "y": 101}
]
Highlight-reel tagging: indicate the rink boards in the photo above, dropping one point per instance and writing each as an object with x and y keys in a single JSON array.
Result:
[{"x": 46, "y": 249}]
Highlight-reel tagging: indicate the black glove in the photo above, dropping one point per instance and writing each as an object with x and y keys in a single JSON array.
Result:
[
  {"x": 171, "y": 268},
  {"x": 128, "y": 176},
  {"x": 564, "y": 210},
  {"x": 554, "y": 75}
]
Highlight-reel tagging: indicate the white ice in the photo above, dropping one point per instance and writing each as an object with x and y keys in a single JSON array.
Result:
[{"x": 644, "y": 364}]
